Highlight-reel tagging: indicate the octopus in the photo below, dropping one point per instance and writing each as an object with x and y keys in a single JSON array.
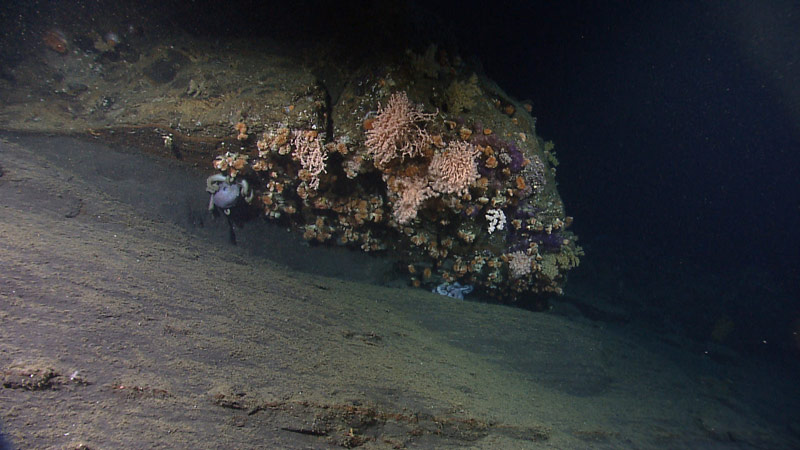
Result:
[{"x": 226, "y": 192}]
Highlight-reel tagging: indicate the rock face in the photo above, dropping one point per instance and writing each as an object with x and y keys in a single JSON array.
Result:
[
  {"x": 416, "y": 155},
  {"x": 425, "y": 160}
]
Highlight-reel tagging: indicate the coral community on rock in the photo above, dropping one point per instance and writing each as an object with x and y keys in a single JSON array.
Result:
[{"x": 426, "y": 162}]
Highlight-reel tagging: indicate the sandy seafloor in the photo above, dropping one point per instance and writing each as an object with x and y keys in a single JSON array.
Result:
[{"x": 129, "y": 320}]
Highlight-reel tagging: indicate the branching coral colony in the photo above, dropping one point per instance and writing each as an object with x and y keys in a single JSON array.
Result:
[{"x": 457, "y": 185}]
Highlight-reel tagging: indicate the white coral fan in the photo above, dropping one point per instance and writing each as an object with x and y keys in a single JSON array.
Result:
[
  {"x": 497, "y": 219},
  {"x": 455, "y": 169},
  {"x": 519, "y": 264}
]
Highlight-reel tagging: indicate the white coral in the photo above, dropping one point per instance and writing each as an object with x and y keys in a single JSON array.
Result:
[{"x": 497, "y": 219}]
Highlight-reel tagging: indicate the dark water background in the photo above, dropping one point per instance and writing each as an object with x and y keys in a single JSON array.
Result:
[
  {"x": 677, "y": 125},
  {"x": 678, "y": 128},
  {"x": 678, "y": 122}
]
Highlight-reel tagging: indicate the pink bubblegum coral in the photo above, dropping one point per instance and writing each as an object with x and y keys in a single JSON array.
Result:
[
  {"x": 412, "y": 191},
  {"x": 455, "y": 169},
  {"x": 395, "y": 131},
  {"x": 519, "y": 264},
  {"x": 312, "y": 156}
]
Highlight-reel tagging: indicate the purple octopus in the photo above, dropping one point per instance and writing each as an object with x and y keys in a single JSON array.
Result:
[{"x": 225, "y": 192}]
